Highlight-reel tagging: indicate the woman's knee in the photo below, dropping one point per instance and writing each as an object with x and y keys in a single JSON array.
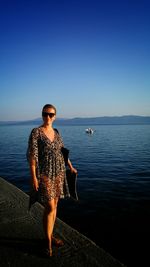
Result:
[
  {"x": 51, "y": 206},
  {"x": 56, "y": 202}
]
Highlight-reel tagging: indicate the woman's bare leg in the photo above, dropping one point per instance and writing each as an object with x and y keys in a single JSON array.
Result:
[
  {"x": 55, "y": 211},
  {"x": 49, "y": 220}
]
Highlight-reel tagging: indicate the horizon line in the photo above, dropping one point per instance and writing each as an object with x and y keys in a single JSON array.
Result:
[{"x": 65, "y": 118}]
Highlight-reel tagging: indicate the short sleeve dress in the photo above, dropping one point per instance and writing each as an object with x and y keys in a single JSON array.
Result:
[{"x": 50, "y": 165}]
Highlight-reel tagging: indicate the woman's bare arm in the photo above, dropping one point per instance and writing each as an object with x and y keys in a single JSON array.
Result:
[
  {"x": 71, "y": 167},
  {"x": 34, "y": 179}
]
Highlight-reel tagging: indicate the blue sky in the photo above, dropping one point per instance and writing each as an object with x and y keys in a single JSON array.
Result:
[{"x": 87, "y": 57}]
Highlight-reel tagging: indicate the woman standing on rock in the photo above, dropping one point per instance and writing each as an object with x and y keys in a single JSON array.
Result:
[{"x": 48, "y": 171}]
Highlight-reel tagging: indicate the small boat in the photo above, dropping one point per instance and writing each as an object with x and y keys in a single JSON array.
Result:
[{"x": 89, "y": 131}]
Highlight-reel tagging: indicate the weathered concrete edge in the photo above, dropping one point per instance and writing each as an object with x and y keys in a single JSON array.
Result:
[{"x": 37, "y": 211}]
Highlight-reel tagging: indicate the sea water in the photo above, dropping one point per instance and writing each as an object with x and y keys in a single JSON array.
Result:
[{"x": 113, "y": 182}]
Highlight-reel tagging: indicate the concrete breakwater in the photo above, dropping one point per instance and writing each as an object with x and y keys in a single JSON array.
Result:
[{"x": 22, "y": 237}]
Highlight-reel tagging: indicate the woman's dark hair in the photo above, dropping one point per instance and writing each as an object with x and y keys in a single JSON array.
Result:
[{"x": 49, "y": 106}]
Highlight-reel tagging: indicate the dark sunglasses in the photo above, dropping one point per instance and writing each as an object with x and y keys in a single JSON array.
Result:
[{"x": 45, "y": 114}]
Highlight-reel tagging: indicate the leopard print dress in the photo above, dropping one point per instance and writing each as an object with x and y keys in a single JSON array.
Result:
[{"x": 50, "y": 165}]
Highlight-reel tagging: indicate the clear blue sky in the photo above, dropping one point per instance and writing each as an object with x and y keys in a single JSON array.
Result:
[{"x": 87, "y": 57}]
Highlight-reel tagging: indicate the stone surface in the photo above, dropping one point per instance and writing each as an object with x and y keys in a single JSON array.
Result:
[{"x": 22, "y": 237}]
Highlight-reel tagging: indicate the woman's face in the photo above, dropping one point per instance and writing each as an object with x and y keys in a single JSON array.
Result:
[{"x": 48, "y": 115}]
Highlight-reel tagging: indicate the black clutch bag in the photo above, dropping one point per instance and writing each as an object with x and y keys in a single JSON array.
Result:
[
  {"x": 71, "y": 180},
  {"x": 65, "y": 153}
]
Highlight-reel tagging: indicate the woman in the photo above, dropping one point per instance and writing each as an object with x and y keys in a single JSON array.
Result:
[{"x": 48, "y": 172}]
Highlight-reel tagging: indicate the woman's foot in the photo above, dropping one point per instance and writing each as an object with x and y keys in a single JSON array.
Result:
[
  {"x": 49, "y": 252},
  {"x": 49, "y": 248},
  {"x": 57, "y": 242}
]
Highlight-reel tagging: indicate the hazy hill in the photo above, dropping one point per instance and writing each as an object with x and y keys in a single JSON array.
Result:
[{"x": 116, "y": 120}]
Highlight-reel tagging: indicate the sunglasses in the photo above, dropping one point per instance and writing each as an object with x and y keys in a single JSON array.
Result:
[{"x": 45, "y": 114}]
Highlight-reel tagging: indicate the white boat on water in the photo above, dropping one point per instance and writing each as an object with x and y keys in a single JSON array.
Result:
[{"x": 89, "y": 130}]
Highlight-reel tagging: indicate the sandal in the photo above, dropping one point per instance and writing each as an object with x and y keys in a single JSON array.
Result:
[
  {"x": 57, "y": 242},
  {"x": 49, "y": 252}
]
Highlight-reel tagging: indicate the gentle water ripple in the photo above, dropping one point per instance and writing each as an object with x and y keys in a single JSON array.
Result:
[{"x": 113, "y": 179}]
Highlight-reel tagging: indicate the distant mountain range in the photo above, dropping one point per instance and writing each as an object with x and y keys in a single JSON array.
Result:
[{"x": 106, "y": 120}]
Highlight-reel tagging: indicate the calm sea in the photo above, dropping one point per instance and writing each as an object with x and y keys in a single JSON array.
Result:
[{"x": 113, "y": 183}]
